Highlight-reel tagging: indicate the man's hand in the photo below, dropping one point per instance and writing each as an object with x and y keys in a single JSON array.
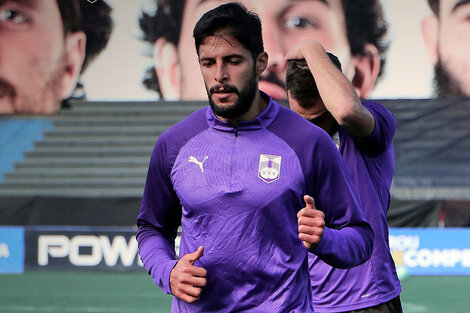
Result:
[
  {"x": 187, "y": 280},
  {"x": 311, "y": 224}
]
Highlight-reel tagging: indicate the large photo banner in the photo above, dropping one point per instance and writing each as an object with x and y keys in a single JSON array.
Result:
[
  {"x": 87, "y": 87},
  {"x": 431, "y": 251},
  {"x": 143, "y": 50},
  {"x": 422, "y": 251}
]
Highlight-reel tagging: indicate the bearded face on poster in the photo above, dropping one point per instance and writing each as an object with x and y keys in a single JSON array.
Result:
[{"x": 50, "y": 43}]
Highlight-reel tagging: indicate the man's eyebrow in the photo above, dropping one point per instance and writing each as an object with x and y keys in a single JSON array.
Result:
[
  {"x": 23, "y": 2},
  {"x": 327, "y": 2},
  {"x": 27, "y": 3},
  {"x": 459, "y": 4}
]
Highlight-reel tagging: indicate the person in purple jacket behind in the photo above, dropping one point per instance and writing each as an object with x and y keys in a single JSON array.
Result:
[
  {"x": 319, "y": 92},
  {"x": 234, "y": 175}
]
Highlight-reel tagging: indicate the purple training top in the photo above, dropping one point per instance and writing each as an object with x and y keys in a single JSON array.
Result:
[
  {"x": 370, "y": 165},
  {"x": 236, "y": 191}
]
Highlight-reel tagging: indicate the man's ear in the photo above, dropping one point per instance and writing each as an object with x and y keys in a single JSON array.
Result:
[
  {"x": 367, "y": 69},
  {"x": 429, "y": 31},
  {"x": 75, "y": 44},
  {"x": 261, "y": 63},
  {"x": 167, "y": 68}
]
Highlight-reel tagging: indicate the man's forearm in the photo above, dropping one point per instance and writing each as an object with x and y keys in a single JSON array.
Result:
[{"x": 346, "y": 247}]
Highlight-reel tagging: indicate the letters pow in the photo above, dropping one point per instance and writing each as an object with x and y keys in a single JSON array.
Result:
[
  {"x": 88, "y": 250},
  {"x": 4, "y": 251}
]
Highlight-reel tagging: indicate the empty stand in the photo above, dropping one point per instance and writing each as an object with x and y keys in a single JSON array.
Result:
[
  {"x": 95, "y": 149},
  {"x": 88, "y": 167},
  {"x": 432, "y": 148}
]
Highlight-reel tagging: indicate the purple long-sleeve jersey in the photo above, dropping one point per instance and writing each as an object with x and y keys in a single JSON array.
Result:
[
  {"x": 371, "y": 165},
  {"x": 236, "y": 191}
]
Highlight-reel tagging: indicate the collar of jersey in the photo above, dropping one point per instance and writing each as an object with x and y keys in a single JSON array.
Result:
[{"x": 261, "y": 121}]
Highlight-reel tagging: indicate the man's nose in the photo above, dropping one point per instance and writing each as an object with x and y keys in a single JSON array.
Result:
[{"x": 222, "y": 74}]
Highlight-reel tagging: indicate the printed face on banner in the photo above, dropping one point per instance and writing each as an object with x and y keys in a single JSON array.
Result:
[
  {"x": 269, "y": 168},
  {"x": 447, "y": 38},
  {"x": 284, "y": 23},
  {"x": 35, "y": 69}
]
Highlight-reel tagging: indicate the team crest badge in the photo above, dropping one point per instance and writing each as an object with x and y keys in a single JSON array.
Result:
[{"x": 269, "y": 167}]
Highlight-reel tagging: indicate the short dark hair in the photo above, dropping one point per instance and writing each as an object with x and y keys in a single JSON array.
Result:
[
  {"x": 300, "y": 82},
  {"x": 94, "y": 19},
  {"x": 234, "y": 19},
  {"x": 434, "y": 6},
  {"x": 70, "y": 14},
  {"x": 365, "y": 23}
]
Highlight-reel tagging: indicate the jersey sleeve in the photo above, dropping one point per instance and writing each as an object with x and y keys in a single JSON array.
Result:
[
  {"x": 347, "y": 238},
  {"x": 159, "y": 218},
  {"x": 384, "y": 130}
]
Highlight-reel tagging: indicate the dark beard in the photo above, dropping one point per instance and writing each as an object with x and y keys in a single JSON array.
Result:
[
  {"x": 327, "y": 122},
  {"x": 271, "y": 77},
  {"x": 444, "y": 83},
  {"x": 243, "y": 103}
]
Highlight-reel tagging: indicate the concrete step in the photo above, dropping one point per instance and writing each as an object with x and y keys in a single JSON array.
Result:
[
  {"x": 74, "y": 191},
  {"x": 136, "y": 110},
  {"x": 135, "y": 104},
  {"x": 73, "y": 181},
  {"x": 146, "y": 120},
  {"x": 124, "y": 140},
  {"x": 85, "y": 162},
  {"x": 97, "y": 131}
]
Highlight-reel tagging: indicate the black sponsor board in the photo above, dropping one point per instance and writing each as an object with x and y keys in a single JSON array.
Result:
[{"x": 81, "y": 248}]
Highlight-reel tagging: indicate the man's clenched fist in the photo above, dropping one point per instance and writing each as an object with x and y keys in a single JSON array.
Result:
[{"x": 187, "y": 280}]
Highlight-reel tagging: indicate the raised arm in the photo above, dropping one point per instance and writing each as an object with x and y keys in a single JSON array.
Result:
[
  {"x": 158, "y": 220},
  {"x": 347, "y": 237},
  {"x": 336, "y": 92}
]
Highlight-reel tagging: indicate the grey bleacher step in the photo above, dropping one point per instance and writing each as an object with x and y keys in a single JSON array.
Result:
[
  {"x": 106, "y": 131},
  {"x": 72, "y": 185},
  {"x": 119, "y": 114},
  {"x": 94, "y": 151},
  {"x": 117, "y": 120},
  {"x": 90, "y": 159},
  {"x": 99, "y": 140},
  {"x": 117, "y": 110},
  {"x": 65, "y": 191},
  {"x": 21, "y": 177},
  {"x": 136, "y": 104},
  {"x": 26, "y": 171},
  {"x": 79, "y": 142},
  {"x": 73, "y": 181},
  {"x": 84, "y": 162},
  {"x": 430, "y": 193}
]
